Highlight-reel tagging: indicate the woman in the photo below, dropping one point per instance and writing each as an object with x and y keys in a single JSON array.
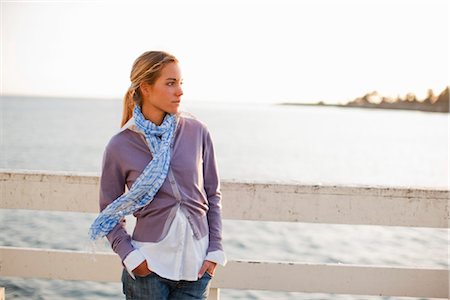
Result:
[{"x": 167, "y": 162}]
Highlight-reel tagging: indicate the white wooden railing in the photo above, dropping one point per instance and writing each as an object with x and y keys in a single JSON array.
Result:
[{"x": 246, "y": 201}]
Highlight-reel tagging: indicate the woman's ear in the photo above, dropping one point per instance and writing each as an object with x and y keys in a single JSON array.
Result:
[{"x": 145, "y": 89}]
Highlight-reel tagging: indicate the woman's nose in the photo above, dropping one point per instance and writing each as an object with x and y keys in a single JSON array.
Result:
[{"x": 179, "y": 91}]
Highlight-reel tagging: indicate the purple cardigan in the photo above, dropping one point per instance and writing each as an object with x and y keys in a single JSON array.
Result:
[{"x": 195, "y": 176}]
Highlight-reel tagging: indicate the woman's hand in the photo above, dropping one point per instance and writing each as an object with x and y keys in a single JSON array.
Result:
[
  {"x": 208, "y": 266},
  {"x": 142, "y": 270}
]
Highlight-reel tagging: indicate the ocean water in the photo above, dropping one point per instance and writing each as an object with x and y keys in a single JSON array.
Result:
[{"x": 254, "y": 142}]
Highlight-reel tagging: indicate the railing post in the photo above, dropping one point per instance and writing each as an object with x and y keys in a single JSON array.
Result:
[
  {"x": 2, "y": 293},
  {"x": 214, "y": 294}
]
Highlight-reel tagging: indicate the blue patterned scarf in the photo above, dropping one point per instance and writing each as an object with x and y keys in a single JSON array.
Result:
[{"x": 141, "y": 193}]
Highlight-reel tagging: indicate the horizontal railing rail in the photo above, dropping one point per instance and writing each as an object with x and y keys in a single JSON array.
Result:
[{"x": 355, "y": 205}]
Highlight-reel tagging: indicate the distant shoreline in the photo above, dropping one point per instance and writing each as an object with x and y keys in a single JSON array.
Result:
[
  {"x": 432, "y": 103},
  {"x": 321, "y": 104}
]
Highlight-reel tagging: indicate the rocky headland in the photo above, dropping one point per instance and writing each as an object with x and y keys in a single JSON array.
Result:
[{"x": 431, "y": 103}]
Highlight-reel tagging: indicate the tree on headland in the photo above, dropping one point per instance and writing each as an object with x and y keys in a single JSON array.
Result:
[
  {"x": 443, "y": 100},
  {"x": 431, "y": 97}
]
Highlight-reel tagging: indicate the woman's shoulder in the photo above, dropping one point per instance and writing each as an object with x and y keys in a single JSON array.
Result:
[
  {"x": 191, "y": 121},
  {"x": 122, "y": 140}
]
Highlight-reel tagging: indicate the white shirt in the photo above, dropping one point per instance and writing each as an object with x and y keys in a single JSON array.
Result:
[{"x": 179, "y": 256}]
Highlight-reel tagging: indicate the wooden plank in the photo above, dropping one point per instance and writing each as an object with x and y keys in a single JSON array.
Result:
[
  {"x": 56, "y": 191},
  {"x": 214, "y": 294},
  {"x": 337, "y": 204},
  {"x": 335, "y": 279},
  {"x": 59, "y": 264},
  {"x": 275, "y": 276},
  {"x": 250, "y": 201}
]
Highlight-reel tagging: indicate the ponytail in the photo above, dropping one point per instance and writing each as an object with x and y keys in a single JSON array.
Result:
[{"x": 128, "y": 106}]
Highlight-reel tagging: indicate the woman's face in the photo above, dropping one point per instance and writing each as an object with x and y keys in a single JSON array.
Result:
[{"x": 165, "y": 94}]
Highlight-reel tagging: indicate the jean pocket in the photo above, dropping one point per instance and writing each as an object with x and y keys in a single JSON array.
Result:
[{"x": 145, "y": 276}]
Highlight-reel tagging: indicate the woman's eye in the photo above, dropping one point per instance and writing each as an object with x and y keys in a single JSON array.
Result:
[{"x": 170, "y": 83}]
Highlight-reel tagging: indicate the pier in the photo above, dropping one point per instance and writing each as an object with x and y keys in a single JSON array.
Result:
[{"x": 352, "y": 205}]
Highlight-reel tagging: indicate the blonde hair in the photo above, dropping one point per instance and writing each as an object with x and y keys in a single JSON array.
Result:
[{"x": 146, "y": 68}]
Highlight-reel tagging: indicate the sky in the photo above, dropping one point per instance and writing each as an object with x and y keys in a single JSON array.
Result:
[{"x": 229, "y": 51}]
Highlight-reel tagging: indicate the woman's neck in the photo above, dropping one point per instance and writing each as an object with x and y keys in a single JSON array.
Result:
[{"x": 156, "y": 116}]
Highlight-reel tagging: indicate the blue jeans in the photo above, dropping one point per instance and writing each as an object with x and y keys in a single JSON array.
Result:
[{"x": 154, "y": 287}]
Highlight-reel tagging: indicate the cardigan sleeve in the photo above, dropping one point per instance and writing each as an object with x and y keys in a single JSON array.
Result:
[
  {"x": 213, "y": 193},
  {"x": 112, "y": 185}
]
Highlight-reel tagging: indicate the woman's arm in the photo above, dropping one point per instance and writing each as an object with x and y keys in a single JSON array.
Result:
[
  {"x": 112, "y": 185},
  {"x": 215, "y": 253}
]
